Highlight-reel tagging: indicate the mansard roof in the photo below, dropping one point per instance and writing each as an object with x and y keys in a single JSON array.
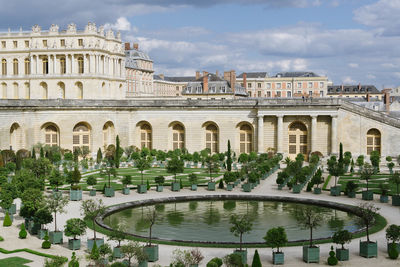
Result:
[
  {"x": 295, "y": 74},
  {"x": 253, "y": 75},
  {"x": 352, "y": 89}
]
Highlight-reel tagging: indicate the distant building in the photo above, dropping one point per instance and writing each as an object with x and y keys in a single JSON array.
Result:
[
  {"x": 367, "y": 92},
  {"x": 170, "y": 86}
]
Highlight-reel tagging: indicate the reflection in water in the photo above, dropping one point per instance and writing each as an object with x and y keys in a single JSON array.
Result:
[{"x": 209, "y": 220}]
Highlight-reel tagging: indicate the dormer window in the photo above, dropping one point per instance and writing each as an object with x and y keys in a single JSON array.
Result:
[
  {"x": 198, "y": 90},
  {"x": 347, "y": 90},
  {"x": 211, "y": 89},
  {"x": 188, "y": 89},
  {"x": 223, "y": 89}
]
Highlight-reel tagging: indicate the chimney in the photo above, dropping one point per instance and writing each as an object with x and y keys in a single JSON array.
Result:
[
  {"x": 136, "y": 46},
  {"x": 161, "y": 76},
  {"x": 387, "y": 99},
  {"x": 341, "y": 90},
  {"x": 368, "y": 97},
  {"x": 359, "y": 86},
  {"x": 245, "y": 80},
  {"x": 205, "y": 84},
  {"x": 205, "y": 73},
  {"x": 217, "y": 73},
  {"x": 197, "y": 75},
  {"x": 232, "y": 80},
  {"x": 127, "y": 46}
]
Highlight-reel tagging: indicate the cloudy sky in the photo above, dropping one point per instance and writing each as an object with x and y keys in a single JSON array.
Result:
[{"x": 350, "y": 41}]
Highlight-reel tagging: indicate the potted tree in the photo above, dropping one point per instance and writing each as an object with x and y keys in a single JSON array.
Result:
[
  {"x": 160, "y": 183},
  {"x": 149, "y": 249},
  {"x": 342, "y": 237},
  {"x": 276, "y": 238},
  {"x": 297, "y": 181},
  {"x": 126, "y": 181},
  {"x": 229, "y": 179},
  {"x": 193, "y": 181},
  {"x": 91, "y": 209},
  {"x": 104, "y": 253},
  {"x": 92, "y": 181},
  {"x": 6, "y": 201},
  {"x": 384, "y": 198},
  {"x": 129, "y": 251},
  {"x": 309, "y": 218},
  {"x": 366, "y": 217},
  {"x": 393, "y": 238},
  {"x": 56, "y": 179},
  {"x": 317, "y": 180},
  {"x": 395, "y": 179},
  {"x": 74, "y": 178},
  {"x": 73, "y": 228},
  {"x": 42, "y": 217},
  {"x": 366, "y": 174},
  {"x": 375, "y": 159},
  {"x": 360, "y": 163},
  {"x": 212, "y": 167},
  {"x": 56, "y": 204},
  {"x": 390, "y": 164},
  {"x": 109, "y": 170},
  {"x": 240, "y": 225},
  {"x": 117, "y": 234},
  {"x": 142, "y": 163},
  {"x": 335, "y": 169},
  {"x": 351, "y": 188},
  {"x": 175, "y": 165}
]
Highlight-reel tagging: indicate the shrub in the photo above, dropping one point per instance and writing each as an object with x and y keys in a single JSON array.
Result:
[
  {"x": 74, "y": 261},
  {"x": 159, "y": 180},
  {"x": 118, "y": 264},
  {"x": 342, "y": 237},
  {"x": 221, "y": 184},
  {"x": 233, "y": 260},
  {"x": 46, "y": 243},
  {"x": 256, "y": 260},
  {"x": 22, "y": 233},
  {"x": 7, "y": 220},
  {"x": 215, "y": 262},
  {"x": 309, "y": 186},
  {"x": 332, "y": 260}
]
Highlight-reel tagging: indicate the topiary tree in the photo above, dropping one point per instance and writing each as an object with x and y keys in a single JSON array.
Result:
[
  {"x": 229, "y": 157},
  {"x": 118, "y": 233},
  {"x": 22, "y": 232},
  {"x": 342, "y": 237},
  {"x": 276, "y": 238},
  {"x": 142, "y": 163},
  {"x": 309, "y": 218},
  {"x": 212, "y": 165},
  {"x": 130, "y": 250},
  {"x": 395, "y": 179},
  {"x": 74, "y": 262},
  {"x": 240, "y": 226},
  {"x": 332, "y": 260},
  {"x": 256, "y": 260},
  {"x": 367, "y": 173},
  {"x": 375, "y": 158},
  {"x": 7, "y": 220},
  {"x": 118, "y": 152},
  {"x": 160, "y": 179},
  {"x": 75, "y": 227},
  {"x": 91, "y": 181},
  {"x": 99, "y": 156},
  {"x": 393, "y": 236},
  {"x": 360, "y": 163},
  {"x": 43, "y": 216},
  {"x": 46, "y": 244},
  {"x": 126, "y": 180},
  {"x": 56, "y": 179}
]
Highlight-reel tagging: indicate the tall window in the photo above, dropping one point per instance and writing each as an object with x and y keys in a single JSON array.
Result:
[
  {"x": 16, "y": 90},
  {"x": 212, "y": 138},
  {"x": 51, "y": 136},
  {"x": 373, "y": 141},
  {"x": 80, "y": 65},
  {"x": 145, "y": 136},
  {"x": 61, "y": 88},
  {"x": 4, "y": 90},
  {"x": 63, "y": 66},
  {"x": 108, "y": 134},
  {"x": 81, "y": 136},
  {"x": 79, "y": 90},
  {"x": 45, "y": 65},
  {"x": 15, "y": 66},
  {"x": 43, "y": 86},
  {"x": 246, "y": 139},
  {"x": 27, "y": 66},
  {"x": 4, "y": 66},
  {"x": 178, "y": 137},
  {"x": 297, "y": 139}
]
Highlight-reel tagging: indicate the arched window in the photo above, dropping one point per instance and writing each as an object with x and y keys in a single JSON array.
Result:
[
  {"x": 178, "y": 137},
  {"x": 15, "y": 137},
  {"x": 79, "y": 90},
  {"x": 15, "y": 66},
  {"x": 246, "y": 139},
  {"x": 63, "y": 66},
  {"x": 298, "y": 141},
  {"x": 373, "y": 141},
  {"x": 4, "y": 66},
  {"x": 108, "y": 134},
  {"x": 4, "y": 90},
  {"x": 212, "y": 138},
  {"x": 145, "y": 136},
  {"x": 16, "y": 90},
  {"x": 45, "y": 65},
  {"x": 81, "y": 136},
  {"x": 27, "y": 66},
  {"x": 43, "y": 87},
  {"x": 27, "y": 91},
  {"x": 61, "y": 88},
  {"x": 51, "y": 136},
  {"x": 80, "y": 65}
]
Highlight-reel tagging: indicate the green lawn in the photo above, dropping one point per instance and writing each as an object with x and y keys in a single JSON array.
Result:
[
  {"x": 14, "y": 262},
  {"x": 373, "y": 183}
]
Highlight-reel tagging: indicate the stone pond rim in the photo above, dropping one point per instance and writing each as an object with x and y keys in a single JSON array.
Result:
[{"x": 153, "y": 201}]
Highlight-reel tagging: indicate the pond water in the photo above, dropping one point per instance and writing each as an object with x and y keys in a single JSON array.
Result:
[{"x": 208, "y": 221}]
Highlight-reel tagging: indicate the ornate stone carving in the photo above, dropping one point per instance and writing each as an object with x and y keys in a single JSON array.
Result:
[
  {"x": 36, "y": 29},
  {"x": 110, "y": 34},
  {"x": 71, "y": 28},
  {"x": 53, "y": 29},
  {"x": 118, "y": 35},
  {"x": 91, "y": 28},
  {"x": 101, "y": 30}
]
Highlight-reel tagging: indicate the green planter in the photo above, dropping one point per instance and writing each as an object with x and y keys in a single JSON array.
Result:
[
  {"x": 342, "y": 254},
  {"x": 317, "y": 190},
  {"x": 193, "y": 187},
  {"x": 368, "y": 250},
  {"x": 109, "y": 192},
  {"x": 335, "y": 190},
  {"x": 393, "y": 244},
  {"x": 92, "y": 192},
  {"x": 384, "y": 199},
  {"x": 56, "y": 193},
  {"x": 296, "y": 188},
  {"x": 229, "y": 187},
  {"x": 278, "y": 258},
  {"x": 395, "y": 200},
  {"x": 74, "y": 244},
  {"x": 351, "y": 194},
  {"x": 75, "y": 195},
  {"x": 13, "y": 209},
  {"x": 143, "y": 264},
  {"x": 193, "y": 265},
  {"x": 242, "y": 254},
  {"x": 90, "y": 242},
  {"x": 142, "y": 188},
  {"x": 367, "y": 195},
  {"x": 117, "y": 253},
  {"x": 56, "y": 237},
  {"x": 175, "y": 186},
  {"x": 125, "y": 191},
  {"x": 34, "y": 228},
  {"x": 42, "y": 233},
  {"x": 280, "y": 186},
  {"x": 152, "y": 253},
  {"x": 211, "y": 186},
  {"x": 246, "y": 187},
  {"x": 159, "y": 188},
  {"x": 310, "y": 254}
]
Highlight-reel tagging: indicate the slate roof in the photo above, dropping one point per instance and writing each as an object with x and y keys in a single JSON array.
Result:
[
  {"x": 295, "y": 74},
  {"x": 216, "y": 85},
  {"x": 253, "y": 75},
  {"x": 132, "y": 56},
  {"x": 175, "y": 79},
  {"x": 352, "y": 89}
]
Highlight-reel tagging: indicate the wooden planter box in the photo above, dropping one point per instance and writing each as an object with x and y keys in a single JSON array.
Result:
[
  {"x": 90, "y": 242},
  {"x": 351, "y": 194},
  {"x": 367, "y": 195},
  {"x": 246, "y": 187},
  {"x": 175, "y": 186},
  {"x": 211, "y": 186},
  {"x": 242, "y": 254},
  {"x": 193, "y": 187},
  {"x": 117, "y": 253},
  {"x": 12, "y": 210},
  {"x": 395, "y": 200},
  {"x": 143, "y": 264},
  {"x": 335, "y": 190},
  {"x": 310, "y": 254},
  {"x": 342, "y": 254},
  {"x": 159, "y": 188},
  {"x": 126, "y": 191},
  {"x": 56, "y": 237},
  {"x": 75, "y": 195},
  {"x": 229, "y": 187},
  {"x": 92, "y": 192},
  {"x": 317, "y": 190},
  {"x": 142, "y": 188},
  {"x": 296, "y": 189},
  {"x": 42, "y": 233},
  {"x": 74, "y": 244},
  {"x": 384, "y": 199},
  {"x": 109, "y": 192},
  {"x": 278, "y": 258},
  {"x": 33, "y": 228},
  {"x": 152, "y": 253},
  {"x": 368, "y": 250}
]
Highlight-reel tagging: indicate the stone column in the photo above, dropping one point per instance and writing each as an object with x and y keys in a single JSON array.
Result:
[
  {"x": 334, "y": 146},
  {"x": 72, "y": 64},
  {"x": 55, "y": 65},
  {"x": 279, "y": 134},
  {"x": 313, "y": 133},
  {"x": 260, "y": 134},
  {"x": 38, "y": 65}
]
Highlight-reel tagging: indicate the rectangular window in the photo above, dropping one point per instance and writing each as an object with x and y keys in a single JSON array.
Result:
[
  {"x": 278, "y": 86},
  {"x": 62, "y": 42},
  {"x": 26, "y": 44},
  {"x": 223, "y": 89},
  {"x": 310, "y": 93},
  {"x": 299, "y": 92},
  {"x": 80, "y": 42},
  {"x": 299, "y": 85},
  {"x": 292, "y": 149},
  {"x": 310, "y": 85},
  {"x": 289, "y": 94},
  {"x": 44, "y": 43},
  {"x": 289, "y": 86},
  {"x": 292, "y": 139},
  {"x": 303, "y": 139},
  {"x": 259, "y": 93},
  {"x": 321, "y": 93},
  {"x": 248, "y": 85},
  {"x": 268, "y": 93},
  {"x": 321, "y": 85},
  {"x": 268, "y": 85},
  {"x": 258, "y": 85},
  {"x": 278, "y": 94},
  {"x": 15, "y": 44}
]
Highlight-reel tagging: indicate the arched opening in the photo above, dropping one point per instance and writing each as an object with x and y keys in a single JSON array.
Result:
[
  {"x": 27, "y": 66},
  {"x": 245, "y": 138},
  {"x": 61, "y": 90},
  {"x": 4, "y": 66},
  {"x": 145, "y": 135},
  {"x": 51, "y": 135},
  {"x": 81, "y": 136},
  {"x": 15, "y": 66},
  {"x": 63, "y": 65},
  {"x": 44, "y": 90},
  {"x": 373, "y": 141},
  {"x": 15, "y": 90},
  {"x": 27, "y": 91},
  {"x": 212, "y": 138},
  {"x": 79, "y": 90},
  {"x": 80, "y": 65},
  {"x": 298, "y": 139},
  {"x": 16, "y": 137},
  {"x": 178, "y": 136},
  {"x": 108, "y": 134},
  {"x": 4, "y": 90},
  {"x": 45, "y": 65}
]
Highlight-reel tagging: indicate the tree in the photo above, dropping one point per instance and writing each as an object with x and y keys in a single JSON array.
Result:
[
  {"x": 132, "y": 250},
  {"x": 91, "y": 181},
  {"x": 99, "y": 156},
  {"x": 175, "y": 165},
  {"x": 212, "y": 165},
  {"x": 74, "y": 178},
  {"x": 43, "y": 216},
  {"x": 151, "y": 217},
  {"x": 104, "y": 252},
  {"x": 335, "y": 168},
  {"x": 229, "y": 157},
  {"x": 118, "y": 152},
  {"x": 240, "y": 226},
  {"x": 375, "y": 158},
  {"x": 393, "y": 233},
  {"x": 256, "y": 260},
  {"x": 142, "y": 163},
  {"x": 118, "y": 233},
  {"x": 366, "y": 216},
  {"x": 56, "y": 179},
  {"x": 360, "y": 162},
  {"x": 75, "y": 227},
  {"x": 317, "y": 178},
  {"x": 309, "y": 218},
  {"x": 366, "y": 173},
  {"x": 342, "y": 237},
  {"x": 276, "y": 238},
  {"x": 109, "y": 170},
  {"x": 56, "y": 261},
  {"x": 127, "y": 180},
  {"x": 91, "y": 209},
  {"x": 159, "y": 180},
  {"x": 395, "y": 179},
  {"x": 56, "y": 204}
]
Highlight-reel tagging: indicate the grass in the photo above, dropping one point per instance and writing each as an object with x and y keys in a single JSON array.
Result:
[
  {"x": 14, "y": 262},
  {"x": 326, "y": 182},
  {"x": 373, "y": 183},
  {"x": 5, "y": 251}
]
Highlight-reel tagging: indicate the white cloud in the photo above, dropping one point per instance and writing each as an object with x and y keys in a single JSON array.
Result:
[
  {"x": 353, "y": 65},
  {"x": 348, "y": 80},
  {"x": 122, "y": 24}
]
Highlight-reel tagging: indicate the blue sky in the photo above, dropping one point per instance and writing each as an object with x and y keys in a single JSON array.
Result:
[{"x": 350, "y": 41}]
